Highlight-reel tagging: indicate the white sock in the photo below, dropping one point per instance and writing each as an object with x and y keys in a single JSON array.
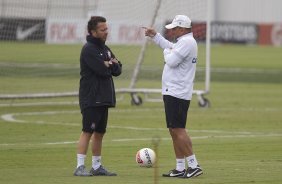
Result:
[
  {"x": 192, "y": 161},
  {"x": 96, "y": 162},
  {"x": 80, "y": 159},
  {"x": 180, "y": 164}
]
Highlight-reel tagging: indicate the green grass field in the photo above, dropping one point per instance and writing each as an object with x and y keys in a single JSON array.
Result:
[{"x": 237, "y": 140}]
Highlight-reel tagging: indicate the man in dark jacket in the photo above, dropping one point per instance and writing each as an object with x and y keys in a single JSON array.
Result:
[{"x": 96, "y": 94}]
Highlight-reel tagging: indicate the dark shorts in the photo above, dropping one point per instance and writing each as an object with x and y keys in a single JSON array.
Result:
[
  {"x": 176, "y": 111},
  {"x": 94, "y": 119}
]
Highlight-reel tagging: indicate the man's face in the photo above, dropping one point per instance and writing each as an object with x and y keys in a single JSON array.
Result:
[
  {"x": 101, "y": 31},
  {"x": 177, "y": 32}
]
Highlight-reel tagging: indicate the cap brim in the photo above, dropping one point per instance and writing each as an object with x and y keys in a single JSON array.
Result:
[{"x": 170, "y": 26}]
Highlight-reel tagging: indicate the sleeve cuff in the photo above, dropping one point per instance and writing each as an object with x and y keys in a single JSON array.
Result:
[{"x": 156, "y": 37}]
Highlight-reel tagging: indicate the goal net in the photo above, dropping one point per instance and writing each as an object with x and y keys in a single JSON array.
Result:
[{"x": 41, "y": 42}]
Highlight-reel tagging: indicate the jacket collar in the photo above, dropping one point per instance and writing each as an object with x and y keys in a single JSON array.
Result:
[{"x": 96, "y": 41}]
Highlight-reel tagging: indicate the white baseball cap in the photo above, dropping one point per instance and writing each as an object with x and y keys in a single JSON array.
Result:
[{"x": 180, "y": 21}]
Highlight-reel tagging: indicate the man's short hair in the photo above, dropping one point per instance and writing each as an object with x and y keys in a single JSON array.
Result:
[{"x": 93, "y": 22}]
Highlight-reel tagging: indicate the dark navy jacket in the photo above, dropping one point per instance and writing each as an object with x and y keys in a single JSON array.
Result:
[{"x": 96, "y": 82}]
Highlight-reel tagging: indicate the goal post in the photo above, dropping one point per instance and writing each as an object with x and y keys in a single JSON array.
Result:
[{"x": 135, "y": 99}]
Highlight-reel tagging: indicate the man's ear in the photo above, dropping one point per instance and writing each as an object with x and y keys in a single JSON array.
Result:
[{"x": 93, "y": 33}]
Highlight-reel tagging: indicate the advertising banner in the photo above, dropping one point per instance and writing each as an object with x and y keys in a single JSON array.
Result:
[
  {"x": 270, "y": 34},
  {"x": 65, "y": 31},
  {"x": 18, "y": 29},
  {"x": 228, "y": 32}
]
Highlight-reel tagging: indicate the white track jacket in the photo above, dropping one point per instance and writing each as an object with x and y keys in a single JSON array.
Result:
[{"x": 180, "y": 65}]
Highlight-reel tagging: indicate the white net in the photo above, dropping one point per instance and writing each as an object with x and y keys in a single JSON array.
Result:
[{"x": 36, "y": 67}]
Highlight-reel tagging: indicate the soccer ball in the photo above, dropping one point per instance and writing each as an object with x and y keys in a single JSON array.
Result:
[{"x": 145, "y": 157}]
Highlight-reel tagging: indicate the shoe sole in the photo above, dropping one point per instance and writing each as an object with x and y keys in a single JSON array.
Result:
[
  {"x": 172, "y": 176},
  {"x": 198, "y": 174},
  {"x": 195, "y": 175},
  {"x": 180, "y": 173},
  {"x": 103, "y": 175},
  {"x": 82, "y": 175}
]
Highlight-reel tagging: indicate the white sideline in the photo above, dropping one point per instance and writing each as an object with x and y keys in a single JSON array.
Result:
[
  {"x": 11, "y": 118},
  {"x": 145, "y": 139}
]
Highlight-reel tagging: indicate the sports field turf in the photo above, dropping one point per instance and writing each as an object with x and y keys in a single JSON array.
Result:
[{"x": 237, "y": 140}]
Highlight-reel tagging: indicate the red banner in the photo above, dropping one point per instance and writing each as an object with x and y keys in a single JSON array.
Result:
[{"x": 270, "y": 34}]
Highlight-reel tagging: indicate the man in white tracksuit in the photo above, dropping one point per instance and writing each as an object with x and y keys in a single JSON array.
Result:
[{"x": 177, "y": 85}]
